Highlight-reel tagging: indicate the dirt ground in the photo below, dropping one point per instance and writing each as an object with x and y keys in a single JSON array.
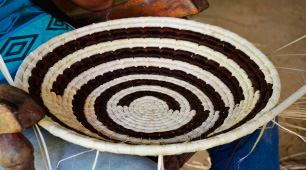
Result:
[{"x": 269, "y": 25}]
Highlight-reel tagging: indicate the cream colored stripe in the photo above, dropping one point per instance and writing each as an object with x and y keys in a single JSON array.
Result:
[
  {"x": 214, "y": 31},
  {"x": 205, "y": 100}
]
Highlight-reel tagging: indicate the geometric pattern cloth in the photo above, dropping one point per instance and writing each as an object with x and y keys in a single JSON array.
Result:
[
  {"x": 24, "y": 30},
  {"x": 7, "y": 7}
]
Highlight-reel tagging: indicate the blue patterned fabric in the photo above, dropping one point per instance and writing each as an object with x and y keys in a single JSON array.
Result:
[
  {"x": 23, "y": 31},
  {"x": 9, "y": 6}
]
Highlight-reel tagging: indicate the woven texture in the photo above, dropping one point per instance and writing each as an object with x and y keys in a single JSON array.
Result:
[{"x": 150, "y": 81}]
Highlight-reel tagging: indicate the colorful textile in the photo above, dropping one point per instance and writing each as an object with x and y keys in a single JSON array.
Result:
[
  {"x": 23, "y": 31},
  {"x": 9, "y": 6}
]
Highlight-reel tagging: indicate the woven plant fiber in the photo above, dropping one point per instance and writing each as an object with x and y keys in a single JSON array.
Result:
[{"x": 151, "y": 86}]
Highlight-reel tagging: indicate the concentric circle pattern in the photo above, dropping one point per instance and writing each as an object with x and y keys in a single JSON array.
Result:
[{"x": 150, "y": 80}]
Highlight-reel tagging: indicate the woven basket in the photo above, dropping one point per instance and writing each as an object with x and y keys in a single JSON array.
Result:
[{"x": 151, "y": 86}]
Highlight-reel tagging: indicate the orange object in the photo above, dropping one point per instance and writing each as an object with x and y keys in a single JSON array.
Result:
[{"x": 138, "y": 8}]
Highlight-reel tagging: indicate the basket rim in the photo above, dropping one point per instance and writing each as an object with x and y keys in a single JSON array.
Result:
[{"x": 169, "y": 149}]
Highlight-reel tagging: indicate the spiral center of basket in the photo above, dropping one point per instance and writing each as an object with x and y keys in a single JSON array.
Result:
[
  {"x": 149, "y": 114},
  {"x": 150, "y": 81},
  {"x": 149, "y": 106}
]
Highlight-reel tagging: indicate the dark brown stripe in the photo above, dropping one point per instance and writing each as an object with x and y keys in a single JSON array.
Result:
[
  {"x": 253, "y": 71},
  {"x": 261, "y": 103},
  {"x": 77, "y": 68},
  {"x": 195, "y": 104},
  {"x": 81, "y": 95},
  {"x": 171, "y": 102}
]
